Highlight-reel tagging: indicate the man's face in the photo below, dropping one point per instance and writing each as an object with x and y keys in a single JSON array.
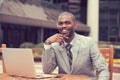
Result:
[{"x": 66, "y": 25}]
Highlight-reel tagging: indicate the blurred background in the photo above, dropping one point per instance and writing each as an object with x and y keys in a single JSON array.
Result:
[{"x": 28, "y": 23}]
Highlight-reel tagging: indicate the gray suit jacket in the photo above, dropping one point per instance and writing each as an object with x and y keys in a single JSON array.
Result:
[{"x": 86, "y": 58}]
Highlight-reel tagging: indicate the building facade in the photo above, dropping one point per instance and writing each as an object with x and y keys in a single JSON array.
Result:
[
  {"x": 26, "y": 21},
  {"x": 32, "y": 27},
  {"x": 108, "y": 16}
]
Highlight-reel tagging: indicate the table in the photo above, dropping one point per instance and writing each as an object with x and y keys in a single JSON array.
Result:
[{"x": 64, "y": 77}]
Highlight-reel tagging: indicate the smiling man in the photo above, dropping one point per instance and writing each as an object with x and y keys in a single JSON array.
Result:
[{"x": 73, "y": 53}]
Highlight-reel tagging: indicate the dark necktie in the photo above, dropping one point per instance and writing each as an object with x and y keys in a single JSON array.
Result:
[{"x": 69, "y": 53}]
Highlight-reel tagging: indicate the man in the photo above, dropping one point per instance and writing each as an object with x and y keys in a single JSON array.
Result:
[{"x": 85, "y": 57}]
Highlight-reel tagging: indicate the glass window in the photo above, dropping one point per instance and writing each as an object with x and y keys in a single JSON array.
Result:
[{"x": 109, "y": 16}]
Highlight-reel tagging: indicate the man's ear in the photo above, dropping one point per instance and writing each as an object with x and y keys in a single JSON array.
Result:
[{"x": 76, "y": 25}]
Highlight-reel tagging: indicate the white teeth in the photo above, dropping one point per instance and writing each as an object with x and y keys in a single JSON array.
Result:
[{"x": 64, "y": 31}]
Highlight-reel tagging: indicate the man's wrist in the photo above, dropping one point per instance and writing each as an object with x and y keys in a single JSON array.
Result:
[{"x": 47, "y": 43}]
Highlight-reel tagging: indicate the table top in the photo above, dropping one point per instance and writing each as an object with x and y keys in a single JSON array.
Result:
[{"x": 64, "y": 77}]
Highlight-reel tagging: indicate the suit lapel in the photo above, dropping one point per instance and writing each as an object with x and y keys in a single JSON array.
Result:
[
  {"x": 62, "y": 50},
  {"x": 76, "y": 50}
]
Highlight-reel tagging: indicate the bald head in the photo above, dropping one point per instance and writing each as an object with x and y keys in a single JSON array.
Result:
[{"x": 67, "y": 14}]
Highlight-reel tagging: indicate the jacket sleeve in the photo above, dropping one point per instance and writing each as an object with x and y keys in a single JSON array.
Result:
[
  {"x": 99, "y": 61},
  {"x": 48, "y": 60}
]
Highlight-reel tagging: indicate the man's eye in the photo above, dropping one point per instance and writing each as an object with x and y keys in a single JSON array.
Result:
[
  {"x": 67, "y": 22},
  {"x": 60, "y": 23}
]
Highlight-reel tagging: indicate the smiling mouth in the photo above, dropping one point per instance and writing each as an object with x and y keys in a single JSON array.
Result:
[{"x": 65, "y": 33}]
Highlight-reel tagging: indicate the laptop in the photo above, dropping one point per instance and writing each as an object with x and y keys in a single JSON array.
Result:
[{"x": 20, "y": 62}]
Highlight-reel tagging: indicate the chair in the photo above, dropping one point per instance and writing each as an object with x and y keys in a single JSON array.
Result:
[
  {"x": 3, "y": 46},
  {"x": 108, "y": 54}
]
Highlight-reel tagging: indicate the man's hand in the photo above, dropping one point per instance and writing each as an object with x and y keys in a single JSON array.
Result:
[{"x": 55, "y": 38}]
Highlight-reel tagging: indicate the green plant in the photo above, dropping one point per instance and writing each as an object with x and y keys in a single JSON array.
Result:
[
  {"x": 27, "y": 45},
  {"x": 39, "y": 45},
  {"x": 36, "y": 48},
  {"x": 103, "y": 45}
]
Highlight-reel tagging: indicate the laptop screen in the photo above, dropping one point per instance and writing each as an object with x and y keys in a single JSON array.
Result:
[{"x": 19, "y": 62}]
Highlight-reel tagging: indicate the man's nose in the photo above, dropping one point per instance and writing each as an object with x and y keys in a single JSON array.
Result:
[{"x": 63, "y": 25}]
